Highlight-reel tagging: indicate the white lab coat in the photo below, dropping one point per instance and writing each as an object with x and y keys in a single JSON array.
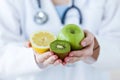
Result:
[{"x": 101, "y": 17}]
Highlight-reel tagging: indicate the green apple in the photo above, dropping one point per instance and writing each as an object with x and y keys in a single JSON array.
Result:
[{"x": 73, "y": 34}]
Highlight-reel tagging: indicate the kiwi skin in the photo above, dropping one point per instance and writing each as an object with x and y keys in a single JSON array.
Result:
[{"x": 61, "y": 48}]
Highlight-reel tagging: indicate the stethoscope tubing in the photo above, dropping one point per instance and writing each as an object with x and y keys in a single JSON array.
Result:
[
  {"x": 39, "y": 3},
  {"x": 67, "y": 10},
  {"x": 65, "y": 13}
]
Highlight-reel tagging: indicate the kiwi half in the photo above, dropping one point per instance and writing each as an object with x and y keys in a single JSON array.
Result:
[{"x": 60, "y": 48}]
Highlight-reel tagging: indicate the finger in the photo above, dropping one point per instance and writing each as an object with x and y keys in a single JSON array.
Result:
[
  {"x": 28, "y": 44},
  {"x": 72, "y": 59},
  {"x": 42, "y": 57},
  {"x": 76, "y": 53},
  {"x": 57, "y": 62},
  {"x": 50, "y": 60},
  {"x": 64, "y": 63},
  {"x": 88, "y": 39},
  {"x": 87, "y": 51}
]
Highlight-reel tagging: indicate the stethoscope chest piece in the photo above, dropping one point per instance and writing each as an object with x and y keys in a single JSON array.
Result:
[{"x": 41, "y": 17}]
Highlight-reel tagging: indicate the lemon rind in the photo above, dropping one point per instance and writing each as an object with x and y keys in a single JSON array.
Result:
[{"x": 40, "y": 49}]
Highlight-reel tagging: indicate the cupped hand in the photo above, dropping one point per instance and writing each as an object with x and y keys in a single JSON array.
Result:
[
  {"x": 45, "y": 59},
  {"x": 87, "y": 51}
]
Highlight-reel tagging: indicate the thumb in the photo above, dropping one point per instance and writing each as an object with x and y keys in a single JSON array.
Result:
[{"x": 28, "y": 44}]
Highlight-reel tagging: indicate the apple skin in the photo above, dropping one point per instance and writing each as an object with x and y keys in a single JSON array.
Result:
[{"x": 73, "y": 34}]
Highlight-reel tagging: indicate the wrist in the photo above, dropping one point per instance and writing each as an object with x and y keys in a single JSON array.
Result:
[
  {"x": 40, "y": 65},
  {"x": 96, "y": 49}
]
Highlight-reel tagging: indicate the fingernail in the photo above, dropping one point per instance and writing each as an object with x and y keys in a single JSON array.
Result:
[
  {"x": 67, "y": 60},
  {"x": 84, "y": 44},
  {"x": 50, "y": 54},
  {"x": 71, "y": 55},
  {"x": 55, "y": 57},
  {"x": 60, "y": 61},
  {"x": 63, "y": 63}
]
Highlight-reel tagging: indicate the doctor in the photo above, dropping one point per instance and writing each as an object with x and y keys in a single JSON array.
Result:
[{"x": 19, "y": 18}]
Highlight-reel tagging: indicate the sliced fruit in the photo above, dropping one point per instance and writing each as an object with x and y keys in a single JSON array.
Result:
[
  {"x": 41, "y": 40},
  {"x": 60, "y": 48}
]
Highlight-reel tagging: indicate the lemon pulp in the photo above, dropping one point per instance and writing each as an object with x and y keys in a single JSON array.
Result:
[{"x": 41, "y": 40}]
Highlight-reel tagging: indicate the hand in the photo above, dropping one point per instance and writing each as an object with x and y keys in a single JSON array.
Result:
[
  {"x": 87, "y": 51},
  {"x": 46, "y": 58}
]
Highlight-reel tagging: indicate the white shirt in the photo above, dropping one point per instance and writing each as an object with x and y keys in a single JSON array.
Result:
[{"x": 101, "y": 17}]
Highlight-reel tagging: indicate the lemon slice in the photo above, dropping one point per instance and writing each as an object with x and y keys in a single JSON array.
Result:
[{"x": 41, "y": 40}]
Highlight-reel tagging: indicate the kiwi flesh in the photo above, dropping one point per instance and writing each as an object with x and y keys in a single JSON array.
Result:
[{"x": 61, "y": 48}]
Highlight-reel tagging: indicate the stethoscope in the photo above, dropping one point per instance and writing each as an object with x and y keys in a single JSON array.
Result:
[{"x": 42, "y": 17}]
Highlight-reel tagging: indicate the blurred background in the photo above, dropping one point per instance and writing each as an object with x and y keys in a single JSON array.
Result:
[{"x": 115, "y": 75}]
